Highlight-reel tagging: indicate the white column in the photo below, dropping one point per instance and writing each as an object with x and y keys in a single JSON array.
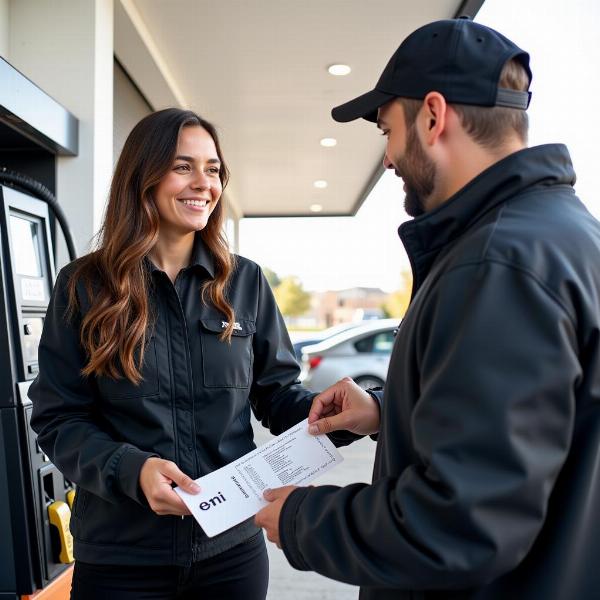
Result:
[
  {"x": 4, "y": 17},
  {"x": 66, "y": 48},
  {"x": 234, "y": 214}
]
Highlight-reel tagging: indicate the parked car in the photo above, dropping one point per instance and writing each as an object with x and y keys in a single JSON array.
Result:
[
  {"x": 319, "y": 336},
  {"x": 367, "y": 314},
  {"x": 362, "y": 353}
]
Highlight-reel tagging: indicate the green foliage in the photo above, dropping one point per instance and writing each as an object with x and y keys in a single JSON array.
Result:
[
  {"x": 397, "y": 302},
  {"x": 272, "y": 277},
  {"x": 291, "y": 298}
]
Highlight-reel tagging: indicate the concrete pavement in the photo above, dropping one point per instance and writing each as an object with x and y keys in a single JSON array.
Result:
[{"x": 289, "y": 584}]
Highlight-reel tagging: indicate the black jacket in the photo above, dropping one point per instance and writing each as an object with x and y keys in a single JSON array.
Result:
[
  {"x": 487, "y": 473},
  {"x": 193, "y": 408}
]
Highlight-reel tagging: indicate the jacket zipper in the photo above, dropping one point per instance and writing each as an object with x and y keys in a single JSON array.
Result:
[
  {"x": 192, "y": 396},
  {"x": 163, "y": 304}
]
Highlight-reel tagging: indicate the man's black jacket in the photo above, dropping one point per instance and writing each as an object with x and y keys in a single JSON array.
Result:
[
  {"x": 193, "y": 408},
  {"x": 487, "y": 473}
]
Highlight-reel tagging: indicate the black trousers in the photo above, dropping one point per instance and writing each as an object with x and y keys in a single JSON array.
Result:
[{"x": 241, "y": 572}]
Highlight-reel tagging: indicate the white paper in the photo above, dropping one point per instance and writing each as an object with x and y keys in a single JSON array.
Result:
[{"x": 234, "y": 493}]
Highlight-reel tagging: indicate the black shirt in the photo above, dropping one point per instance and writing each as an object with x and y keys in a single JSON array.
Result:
[{"x": 193, "y": 407}]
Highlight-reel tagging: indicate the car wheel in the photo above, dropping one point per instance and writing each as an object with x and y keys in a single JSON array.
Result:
[{"x": 369, "y": 381}]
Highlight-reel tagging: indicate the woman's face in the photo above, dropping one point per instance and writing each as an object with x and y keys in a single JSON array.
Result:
[{"x": 189, "y": 192}]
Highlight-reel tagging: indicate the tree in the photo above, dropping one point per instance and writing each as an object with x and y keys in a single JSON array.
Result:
[
  {"x": 397, "y": 302},
  {"x": 272, "y": 277},
  {"x": 292, "y": 300}
]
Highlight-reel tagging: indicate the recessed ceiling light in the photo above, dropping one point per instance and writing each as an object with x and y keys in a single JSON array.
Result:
[
  {"x": 316, "y": 208},
  {"x": 339, "y": 69},
  {"x": 328, "y": 142},
  {"x": 320, "y": 183}
]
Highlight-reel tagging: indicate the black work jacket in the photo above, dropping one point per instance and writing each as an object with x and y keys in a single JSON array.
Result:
[
  {"x": 193, "y": 408},
  {"x": 487, "y": 481}
]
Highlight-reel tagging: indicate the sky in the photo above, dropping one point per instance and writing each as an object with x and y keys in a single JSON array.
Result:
[
  {"x": 344, "y": 252},
  {"x": 330, "y": 253}
]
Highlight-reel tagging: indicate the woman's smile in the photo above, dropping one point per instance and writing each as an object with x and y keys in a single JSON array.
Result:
[{"x": 195, "y": 205}]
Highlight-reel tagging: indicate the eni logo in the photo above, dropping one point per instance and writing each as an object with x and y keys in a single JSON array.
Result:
[{"x": 212, "y": 502}]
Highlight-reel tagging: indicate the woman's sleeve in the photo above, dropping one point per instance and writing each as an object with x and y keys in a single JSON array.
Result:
[
  {"x": 278, "y": 399},
  {"x": 67, "y": 417}
]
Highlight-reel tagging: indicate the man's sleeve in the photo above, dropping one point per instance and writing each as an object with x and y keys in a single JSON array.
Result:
[
  {"x": 65, "y": 414},
  {"x": 377, "y": 395},
  {"x": 491, "y": 429}
]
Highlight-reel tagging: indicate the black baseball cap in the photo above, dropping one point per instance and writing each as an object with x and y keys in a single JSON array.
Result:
[{"x": 460, "y": 59}]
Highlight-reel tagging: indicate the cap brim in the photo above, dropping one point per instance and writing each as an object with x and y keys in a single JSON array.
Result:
[{"x": 364, "y": 106}]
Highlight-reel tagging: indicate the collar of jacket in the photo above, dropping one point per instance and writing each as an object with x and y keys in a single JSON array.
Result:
[
  {"x": 201, "y": 257},
  {"x": 425, "y": 236}
]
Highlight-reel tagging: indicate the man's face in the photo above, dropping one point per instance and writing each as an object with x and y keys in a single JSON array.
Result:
[{"x": 404, "y": 153}]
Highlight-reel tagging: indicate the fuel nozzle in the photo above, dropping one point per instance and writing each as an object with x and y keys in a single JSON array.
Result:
[{"x": 60, "y": 514}]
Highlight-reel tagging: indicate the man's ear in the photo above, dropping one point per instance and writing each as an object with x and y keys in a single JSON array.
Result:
[{"x": 433, "y": 117}]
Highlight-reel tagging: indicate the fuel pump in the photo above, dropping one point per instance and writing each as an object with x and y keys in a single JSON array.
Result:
[{"x": 36, "y": 547}]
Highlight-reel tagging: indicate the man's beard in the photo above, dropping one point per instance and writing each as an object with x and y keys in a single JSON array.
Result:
[{"x": 418, "y": 172}]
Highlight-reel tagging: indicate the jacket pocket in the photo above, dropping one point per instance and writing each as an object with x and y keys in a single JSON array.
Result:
[
  {"x": 123, "y": 388},
  {"x": 125, "y": 523},
  {"x": 225, "y": 364}
]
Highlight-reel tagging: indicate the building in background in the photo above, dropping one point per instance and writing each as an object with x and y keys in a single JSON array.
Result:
[
  {"x": 342, "y": 306},
  {"x": 354, "y": 304}
]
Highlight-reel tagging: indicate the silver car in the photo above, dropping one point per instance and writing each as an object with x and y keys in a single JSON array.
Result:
[{"x": 362, "y": 353}]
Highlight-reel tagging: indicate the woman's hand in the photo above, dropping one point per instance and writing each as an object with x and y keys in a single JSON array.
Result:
[
  {"x": 344, "y": 406},
  {"x": 156, "y": 477}
]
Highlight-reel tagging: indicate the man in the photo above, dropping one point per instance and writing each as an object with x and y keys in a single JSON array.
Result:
[{"x": 486, "y": 482}]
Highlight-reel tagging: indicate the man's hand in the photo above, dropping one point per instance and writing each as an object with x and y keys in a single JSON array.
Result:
[
  {"x": 344, "y": 406},
  {"x": 268, "y": 517},
  {"x": 156, "y": 477}
]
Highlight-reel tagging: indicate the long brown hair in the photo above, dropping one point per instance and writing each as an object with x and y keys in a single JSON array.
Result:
[{"x": 115, "y": 277}]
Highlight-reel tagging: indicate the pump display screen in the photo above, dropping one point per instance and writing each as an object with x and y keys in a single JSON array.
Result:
[{"x": 25, "y": 240}]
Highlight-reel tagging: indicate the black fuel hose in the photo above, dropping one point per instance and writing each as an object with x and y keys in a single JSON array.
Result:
[{"x": 28, "y": 185}]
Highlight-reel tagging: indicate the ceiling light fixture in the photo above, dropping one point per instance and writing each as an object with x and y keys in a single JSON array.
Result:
[
  {"x": 339, "y": 70},
  {"x": 316, "y": 208},
  {"x": 328, "y": 142},
  {"x": 320, "y": 183}
]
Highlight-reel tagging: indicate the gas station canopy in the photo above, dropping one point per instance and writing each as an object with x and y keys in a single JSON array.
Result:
[{"x": 259, "y": 71}]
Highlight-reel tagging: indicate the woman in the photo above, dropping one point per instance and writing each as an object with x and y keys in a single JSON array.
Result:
[{"x": 154, "y": 348}]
